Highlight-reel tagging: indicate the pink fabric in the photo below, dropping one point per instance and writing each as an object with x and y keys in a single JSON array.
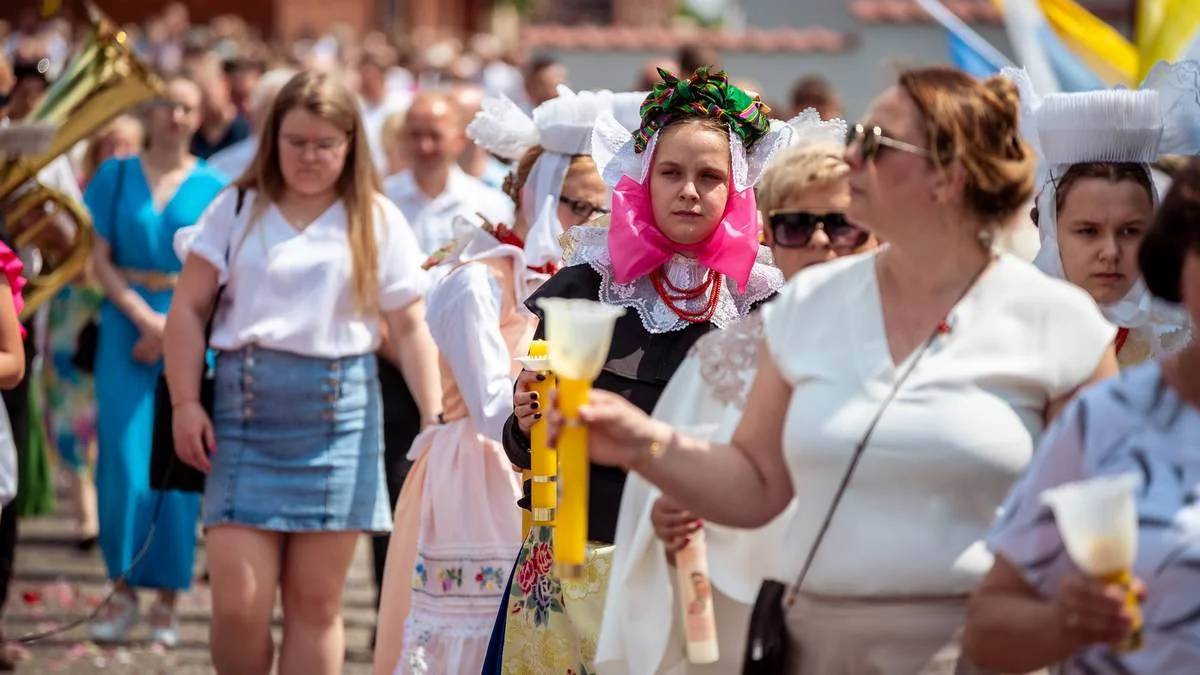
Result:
[
  {"x": 13, "y": 267},
  {"x": 637, "y": 247}
]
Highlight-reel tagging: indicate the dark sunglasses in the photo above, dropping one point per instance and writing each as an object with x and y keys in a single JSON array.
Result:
[
  {"x": 582, "y": 209},
  {"x": 873, "y": 141},
  {"x": 795, "y": 229}
]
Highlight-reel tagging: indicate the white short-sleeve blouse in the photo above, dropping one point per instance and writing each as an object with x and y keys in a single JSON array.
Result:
[
  {"x": 291, "y": 290},
  {"x": 949, "y": 446}
]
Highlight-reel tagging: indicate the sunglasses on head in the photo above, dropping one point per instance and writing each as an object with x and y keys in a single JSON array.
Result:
[
  {"x": 582, "y": 209},
  {"x": 795, "y": 229},
  {"x": 873, "y": 141}
]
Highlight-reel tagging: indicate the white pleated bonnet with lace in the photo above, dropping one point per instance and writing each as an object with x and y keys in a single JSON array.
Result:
[
  {"x": 1113, "y": 125},
  {"x": 562, "y": 126},
  {"x": 808, "y": 127}
]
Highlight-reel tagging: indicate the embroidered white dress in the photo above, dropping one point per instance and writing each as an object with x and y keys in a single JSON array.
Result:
[
  {"x": 641, "y": 632},
  {"x": 458, "y": 525}
]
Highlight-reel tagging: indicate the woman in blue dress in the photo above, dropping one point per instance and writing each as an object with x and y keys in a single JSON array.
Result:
[{"x": 138, "y": 203}]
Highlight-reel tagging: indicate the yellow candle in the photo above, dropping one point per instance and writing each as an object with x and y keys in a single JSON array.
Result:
[
  {"x": 545, "y": 465},
  {"x": 570, "y": 534},
  {"x": 526, "y": 516}
]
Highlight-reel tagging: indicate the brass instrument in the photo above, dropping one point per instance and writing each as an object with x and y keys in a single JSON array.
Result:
[{"x": 103, "y": 80}]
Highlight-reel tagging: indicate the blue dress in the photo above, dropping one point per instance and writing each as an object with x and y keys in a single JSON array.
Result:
[{"x": 141, "y": 237}]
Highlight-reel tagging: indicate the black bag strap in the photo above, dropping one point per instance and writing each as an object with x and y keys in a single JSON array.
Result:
[
  {"x": 794, "y": 590},
  {"x": 237, "y": 211}
]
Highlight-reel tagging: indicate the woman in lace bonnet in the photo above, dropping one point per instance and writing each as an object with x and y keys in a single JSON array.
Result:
[
  {"x": 802, "y": 196},
  {"x": 892, "y": 427},
  {"x": 682, "y": 254},
  {"x": 1099, "y": 195}
]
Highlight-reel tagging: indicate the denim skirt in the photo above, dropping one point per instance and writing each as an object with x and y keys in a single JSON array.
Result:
[{"x": 299, "y": 444}]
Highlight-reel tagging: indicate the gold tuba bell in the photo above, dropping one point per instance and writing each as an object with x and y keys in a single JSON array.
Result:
[{"x": 103, "y": 80}]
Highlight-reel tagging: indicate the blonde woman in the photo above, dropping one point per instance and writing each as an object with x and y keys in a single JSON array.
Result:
[{"x": 306, "y": 269}]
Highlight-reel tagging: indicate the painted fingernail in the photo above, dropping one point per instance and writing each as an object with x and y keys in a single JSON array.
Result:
[
  {"x": 537, "y": 416},
  {"x": 541, "y": 378},
  {"x": 534, "y": 405},
  {"x": 533, "y": 396}
]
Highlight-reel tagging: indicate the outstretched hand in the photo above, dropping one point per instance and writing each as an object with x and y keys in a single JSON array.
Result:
[{"x": 619, "y": 433}]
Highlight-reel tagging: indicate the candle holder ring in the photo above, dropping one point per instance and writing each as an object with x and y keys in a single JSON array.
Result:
[{"x": 545, "y": 479}]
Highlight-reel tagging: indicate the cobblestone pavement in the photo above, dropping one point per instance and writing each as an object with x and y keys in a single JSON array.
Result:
[{"x": 56, "y": 584}]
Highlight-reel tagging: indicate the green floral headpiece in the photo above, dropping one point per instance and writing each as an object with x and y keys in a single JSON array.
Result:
[{"x": 704, "y": 94}]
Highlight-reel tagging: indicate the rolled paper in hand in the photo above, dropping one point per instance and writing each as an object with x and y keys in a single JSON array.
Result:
[
  {"x": 695, "y": 601},
  {"x": 580, "y": 335},
  {"x": 1098, "y": 522}
]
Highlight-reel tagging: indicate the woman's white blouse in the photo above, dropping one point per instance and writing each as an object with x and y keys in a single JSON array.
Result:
[
  {"x": 292, "y": 290},
  {"x": 948, "y": 447}
]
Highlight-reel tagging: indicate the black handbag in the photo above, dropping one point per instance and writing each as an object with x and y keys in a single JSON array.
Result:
[
  {"x": 768, "y": 646},
  {"x": 86, "y": 343},
  {"x": 167, "y": 471}
]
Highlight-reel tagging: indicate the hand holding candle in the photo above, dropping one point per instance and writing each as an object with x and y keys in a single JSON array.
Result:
[
  {"x": 1097, "y": 519},
  {"x": 544, "y": 459},
  {"x": 580, "y": 334}
]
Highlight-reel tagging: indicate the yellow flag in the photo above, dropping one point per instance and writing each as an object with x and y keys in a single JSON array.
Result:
[
  {"x": 1100, "y": 46},
  {"x": 1173, "y": 37},
  {"x": 50, "y": 8},
  {"x": 1147, "y": 21}
]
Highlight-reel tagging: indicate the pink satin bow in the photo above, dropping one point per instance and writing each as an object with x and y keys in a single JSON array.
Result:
[{"x": 637, "y": 247}]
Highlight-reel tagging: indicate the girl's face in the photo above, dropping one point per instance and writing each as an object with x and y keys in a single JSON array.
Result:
[
  {"x": 1100, "y": 227},
  {"x": 178, "y": 115},
  {"x": 690, "y": 181},
  {"x": 312, "y": 152}
]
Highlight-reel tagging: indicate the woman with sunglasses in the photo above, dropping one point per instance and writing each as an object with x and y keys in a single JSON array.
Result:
[
  {"x": 681, "y": 253},
  {"x": 801, "y": 192},
  {"x": 897, "y": 394}
]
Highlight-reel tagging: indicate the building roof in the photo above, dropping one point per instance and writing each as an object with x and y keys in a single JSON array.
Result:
[
  {"x": 637, "y": 39},
  {"x": 981, "y": 11},
  {"x": 908, "y": 11}
]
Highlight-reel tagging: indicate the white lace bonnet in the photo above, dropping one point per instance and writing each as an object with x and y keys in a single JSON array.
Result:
[
  {"x": 1112, "y": 125},
  {"x": 808, "y": 127},
  {"x": 562, "y": 126}
]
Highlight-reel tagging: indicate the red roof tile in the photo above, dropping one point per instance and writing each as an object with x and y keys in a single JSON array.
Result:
[
  {"x": 908, "y": 11},
  {"x": 626, "y": 38}
]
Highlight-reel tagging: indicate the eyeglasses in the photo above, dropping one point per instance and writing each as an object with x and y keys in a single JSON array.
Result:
[
  {"x": 873, "y": 141},
  {"x": 322, "y": 146},
  {"x": 795, "y": 229},
  {"x": 168, "y": 104},
  {"x": 582, "y": 209}
]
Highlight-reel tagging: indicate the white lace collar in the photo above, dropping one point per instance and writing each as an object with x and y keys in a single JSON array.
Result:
[{"x": 589, "y": 245}]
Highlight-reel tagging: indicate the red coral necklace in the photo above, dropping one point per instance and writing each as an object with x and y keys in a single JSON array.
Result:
[{"x": 676, "y": 297}]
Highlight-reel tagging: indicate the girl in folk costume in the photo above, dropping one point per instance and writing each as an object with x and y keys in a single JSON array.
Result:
[
  {"x": 682, "y": 254},
  {"x": 802, "y": 197},
  {"x": 1098, "y": 194},
  {"x": 449, "y": 558}
]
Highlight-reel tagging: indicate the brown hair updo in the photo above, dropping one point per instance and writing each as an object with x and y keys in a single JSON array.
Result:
[
  {"x": 975, "y": 123},
  {"x": 1174, "y": 233}
]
